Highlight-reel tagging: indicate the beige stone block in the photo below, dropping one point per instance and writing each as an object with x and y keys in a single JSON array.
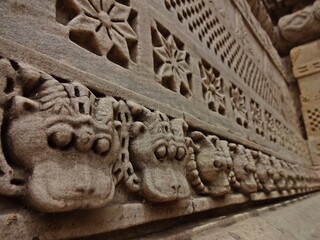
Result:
[
  {"x": 306, "y": 68},
  {"x": 314, "y": 145},
  {"x": 306, "y": 59},
  {"x": 311, "y": 115}
]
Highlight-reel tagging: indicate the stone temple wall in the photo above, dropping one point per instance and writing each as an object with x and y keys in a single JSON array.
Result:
[{"x": 139, "y": 111}]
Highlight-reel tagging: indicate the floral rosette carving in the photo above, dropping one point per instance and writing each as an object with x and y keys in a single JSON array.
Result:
[
  {"x": 271, "y": 129},
  {"x": 238, "y": 102},
  {"x": 104, "y": 27},
  {"x": 257, "y": 118},
  {"x": 212, "y": 89},
  {"x": 171, "y": 63}
]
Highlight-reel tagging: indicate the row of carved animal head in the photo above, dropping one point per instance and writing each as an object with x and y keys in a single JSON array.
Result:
[{"x": 65, "y": 149}]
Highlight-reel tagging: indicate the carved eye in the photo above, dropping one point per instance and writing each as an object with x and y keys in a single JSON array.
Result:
[
  {"x": 181, "y": 153},
  {"x": 161, "y": 151},
  {"x": 217, "y": 163},
  {"x": 102, "y": 146},
  {"x": 61, "y": 135}
]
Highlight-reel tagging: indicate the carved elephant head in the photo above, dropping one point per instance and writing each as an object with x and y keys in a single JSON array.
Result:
[
  {"x": 279, "y": 176},
  {"x": 264, "y": 171},
  {"x": 159, "y": 152},
  {"x": 212, "y": 165},
  {"x": 64, "y": 140},
  {"x": 242, "y": 177},
  {"x": 289, "y": 175}
]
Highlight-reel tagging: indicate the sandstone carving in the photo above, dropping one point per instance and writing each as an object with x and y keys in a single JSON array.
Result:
[
  {"x": 257, "y": 120},
  {"x": 242, "y": 177},
  {"x": 143, "y": 111},
  {"x": 211, "y": 168},
  {"x": 238, "y": 102},
  {"x": 103, "y": 27},
  {"x": 264, "y": 172},
  {"x": 279, "y": 176},
  {"x": 299, "y": 27},
  {"x": 159, "y": 152},
  {"x": 171, "y": 62},
  {"x": 289, "y": 175},
  {"x": 63, "y": 139},
  {"x": 213, "y": 88}
]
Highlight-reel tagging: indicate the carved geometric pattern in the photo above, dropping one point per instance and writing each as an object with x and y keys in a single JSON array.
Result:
[
  {"x": 201, "y": 19},
  {"x": 257, "y": 120},
  {"x": 212, "y": 88},
  {"x": 171, "y": 61},
  {"x": 104, "y": 27},
  {"x": 280, "y": 133},
  {"x": 238, "y": 102},
  {"x": 314, "y": 119},
  {"x": 270, "y": 126},
  {"x": 206, "y": 25}
]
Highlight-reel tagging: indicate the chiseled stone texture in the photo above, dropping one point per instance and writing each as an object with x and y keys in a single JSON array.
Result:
[
  {"x": 116, "y": 113},
  {"x": 306, "y": 68}
]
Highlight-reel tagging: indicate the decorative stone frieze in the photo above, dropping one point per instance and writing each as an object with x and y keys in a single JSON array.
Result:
[{"x": 118, "y": 113}]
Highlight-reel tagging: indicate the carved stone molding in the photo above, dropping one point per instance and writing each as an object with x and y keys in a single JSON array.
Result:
[{"x": 66, "y": 148}]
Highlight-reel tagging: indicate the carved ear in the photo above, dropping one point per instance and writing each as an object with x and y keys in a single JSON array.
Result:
[
  {"x": 138, "y": 128},
  {"x": 137, "y": 109},
  {"x": 196, "y": 135},
  {"x": 22, "y": 105},
  {"x": 199, "y": 140},
  {"x": 214, "y": 139},
  {"x": 191, "y": 145},
  {"x": 179, "y": 126},
  {"x": 30, "y": 77},
  {"x": 115, "y": 105},
  {"x": 233, "y": 147},
  {"x": 255, "y": 154}
]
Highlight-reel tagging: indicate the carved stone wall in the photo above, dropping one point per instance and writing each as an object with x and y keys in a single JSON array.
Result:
[
  {"x": 139, "y": 111},
  {"x": 306, "y": 68}
]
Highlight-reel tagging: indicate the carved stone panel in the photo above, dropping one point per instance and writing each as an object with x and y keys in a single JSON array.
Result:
[
  {"x": 306, "y": 68},
  {"x": 106, "y": 28},
  {"x": 138, "y": 112}
]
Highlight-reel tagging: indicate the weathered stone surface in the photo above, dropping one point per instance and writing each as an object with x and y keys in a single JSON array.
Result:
[
  {"x": 299, "y": 27},
  {"x": 306, "y": 68},
  {"x": 290, "y": 220},
  {"x": 120, "y": 113}
]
